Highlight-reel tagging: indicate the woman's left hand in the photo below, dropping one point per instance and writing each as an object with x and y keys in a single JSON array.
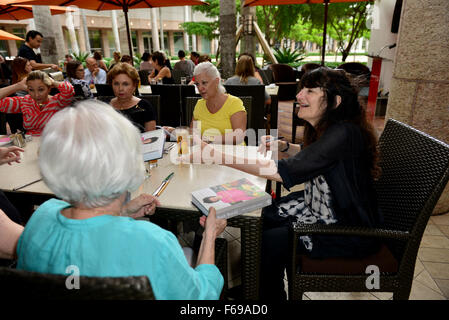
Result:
[
  {"x": 10, "y": 154},
  {"x": 143, "y": 205}
]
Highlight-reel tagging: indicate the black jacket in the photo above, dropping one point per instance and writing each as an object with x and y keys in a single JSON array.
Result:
[{"x": 339, "y": 155}]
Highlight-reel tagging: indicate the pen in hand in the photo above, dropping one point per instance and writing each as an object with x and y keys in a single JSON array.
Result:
[{"x": 277, "y": 138}]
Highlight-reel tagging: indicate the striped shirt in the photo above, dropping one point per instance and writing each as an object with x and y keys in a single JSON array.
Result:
[{"x": 35, "y": 117}]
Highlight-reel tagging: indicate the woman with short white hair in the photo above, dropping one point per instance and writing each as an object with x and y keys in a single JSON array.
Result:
[
  {"x": 90, "y": 157},
  {"x": 222, "y": 117}
]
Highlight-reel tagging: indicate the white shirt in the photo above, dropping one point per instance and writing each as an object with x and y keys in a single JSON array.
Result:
[{"x": 100, "y": 78}]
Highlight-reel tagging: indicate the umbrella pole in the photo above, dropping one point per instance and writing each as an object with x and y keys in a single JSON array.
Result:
[
  {"x": 128, "y": 34},
  {"x": 323, "y": 49}
]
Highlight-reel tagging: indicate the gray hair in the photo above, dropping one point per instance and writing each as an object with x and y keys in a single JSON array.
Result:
[
  {"x": 211, "y": 72},
  {"x": 90, "y": 154}
]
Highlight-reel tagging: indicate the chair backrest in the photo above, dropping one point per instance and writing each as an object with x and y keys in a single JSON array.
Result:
[
  {"x": 267, "y": 76},
  {"x": 190, "y": 106},
  {"x": 25, "y": 284},
  {"x": 187, "y": 91},
  {"x": 155, "y": 102},
  {"x": 104, "y": 89},
  {"x": 355, "y": 68},
  {"x": 170, "y": 103},
  {"x": 143, "y": 75},
  {"x": 283, "y": 73},
  {"x": 415, "y": 170},
  {"x": 256, "y": 120},
  {"x": 177, "y": 74}
]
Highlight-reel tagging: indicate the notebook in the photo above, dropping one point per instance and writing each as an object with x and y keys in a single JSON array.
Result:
[{"x": 231, "y": 199}]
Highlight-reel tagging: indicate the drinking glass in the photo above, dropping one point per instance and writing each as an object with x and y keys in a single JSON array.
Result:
[
  {"x": 159, "y": 81},
  {"x": 182, "y": 140},
  {"x": 183, "y": 80}
]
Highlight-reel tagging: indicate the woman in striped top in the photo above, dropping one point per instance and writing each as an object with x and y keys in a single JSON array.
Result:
[{"x": 37, "y": 106}]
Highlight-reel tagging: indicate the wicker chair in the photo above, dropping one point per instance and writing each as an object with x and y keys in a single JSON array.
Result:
[
  {"x": 24, "y": 284},
  {"x": 415, "y": 170},
  {"x": 155, "y": 101}
]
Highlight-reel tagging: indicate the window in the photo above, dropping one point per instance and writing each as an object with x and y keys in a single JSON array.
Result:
[
  {"x": 134, "y": 41},
  {"x": 147, "y": 41},
  {"x": 4, "y": 48},
  {"x": 205, "y": 45},
  {"x": 178, "y": 38},
  {"x": 20, "y": 32},
  {"x": 95, "y": 41}
]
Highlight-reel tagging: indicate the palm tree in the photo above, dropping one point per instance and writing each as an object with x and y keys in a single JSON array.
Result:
[{"x": 227, "y": 37}]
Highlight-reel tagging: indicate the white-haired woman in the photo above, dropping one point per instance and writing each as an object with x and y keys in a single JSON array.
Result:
[
  {"x": 222, "y": 116},
  {"x": 93, "y": 173}
]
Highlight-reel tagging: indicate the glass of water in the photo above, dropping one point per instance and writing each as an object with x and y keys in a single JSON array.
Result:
[{"x": 183, "y": 80}]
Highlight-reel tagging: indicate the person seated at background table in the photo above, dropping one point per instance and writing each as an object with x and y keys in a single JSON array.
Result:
[
  {"x": 256, "y": 69},
  {"x": 244, "y": 75},
  {"x": 201, "y": 58},
  {"x": 37, "y": 107},
  {"x": 92, "y": 227},
  {"x": 337, "y": 165},
  {"x": 161, "y": 71},
  {"x": 146, "y": 63},
  {"x": 116, "y": 60},
  {"x": 222, "y": 116},
  {"x": 94, "y": 74},
  {"x": 184, "y": 65},
  {"x": 127, "y": 59},
  {"x": 124, "y": 80},
  {"x": 100, "y": 62},
  {"x": 75, "y": 75},
  {"x": 21, "y": 67}
]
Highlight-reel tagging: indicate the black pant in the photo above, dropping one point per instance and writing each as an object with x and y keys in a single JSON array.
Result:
[{"x": 276, "y": 254}]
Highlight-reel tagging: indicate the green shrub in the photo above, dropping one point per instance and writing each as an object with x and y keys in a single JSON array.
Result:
[{"x": 288, "y": 56}]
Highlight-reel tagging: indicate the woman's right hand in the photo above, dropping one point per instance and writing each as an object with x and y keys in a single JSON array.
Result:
[
  {"x": 212, "y": 225},
  {"x": 22, "y": 85},
  {"x": 268, "y": 143}
]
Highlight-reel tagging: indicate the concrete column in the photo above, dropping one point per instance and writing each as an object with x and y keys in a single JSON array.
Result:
[
  {"x": 105, "y": 42},
  {"x": 155, "y": 38},
  {"x": 115, "y": 30},
  {"x": 140, "y": 46},
  {"x": 85, "y": 31},
  {"x": 419, "y": 92},
  {"x": 82, "y": 40},
  {"x": 185, "y": 35}
]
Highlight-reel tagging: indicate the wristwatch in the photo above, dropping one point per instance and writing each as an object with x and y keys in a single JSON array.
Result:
[{"x": 286, "y": 149}]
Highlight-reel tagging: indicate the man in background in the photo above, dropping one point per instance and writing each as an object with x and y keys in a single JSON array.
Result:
[
  {"x": 186, "y": 66},
  {"x": 33, "y": 40},
  {"x": 94, "y": 74}
]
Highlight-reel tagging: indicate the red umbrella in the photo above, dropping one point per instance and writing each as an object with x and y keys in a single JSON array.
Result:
[
  {"x": 282, "y": 2},
  {"x": 14, "y": 12},
  {"x": 124, "y": 5}
]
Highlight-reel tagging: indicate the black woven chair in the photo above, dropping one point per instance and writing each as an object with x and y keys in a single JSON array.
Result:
[
  {"x": 155, "y": 101},
  {"x": 104, "y": 90},
  {"x": 415, "y": 170},
  {"x": 24, "y": 284},
  {"x": 143, "y": 75},
  {"x": 171, "y": 102}
]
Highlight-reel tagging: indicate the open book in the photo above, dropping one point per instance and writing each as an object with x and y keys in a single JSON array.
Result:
[
  {"x": 231, "y": 199},
  {"x": 153, "y": 144}
]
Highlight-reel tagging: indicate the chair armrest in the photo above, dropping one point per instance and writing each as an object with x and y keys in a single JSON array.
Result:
[{"x": 321, "y": 229}]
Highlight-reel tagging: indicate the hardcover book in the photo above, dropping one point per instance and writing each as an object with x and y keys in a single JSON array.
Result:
[
  {"x": 231, "y": 199},
  {"x": 153, "y": 144}
]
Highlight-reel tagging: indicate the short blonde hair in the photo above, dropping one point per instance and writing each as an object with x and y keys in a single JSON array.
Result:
[
  {"x": 39, "y": 75},
  {"x": 123, "y": 68}
]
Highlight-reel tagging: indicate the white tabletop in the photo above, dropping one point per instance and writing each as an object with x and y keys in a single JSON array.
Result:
[{"x": 177, "y": 195}]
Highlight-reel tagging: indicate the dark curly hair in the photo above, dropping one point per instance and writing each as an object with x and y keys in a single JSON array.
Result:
[{"x": 336, "y": 83}]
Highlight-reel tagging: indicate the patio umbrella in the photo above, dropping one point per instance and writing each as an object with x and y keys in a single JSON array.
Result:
[
  {"x": 283, "y": 2},
  {"x": 8, "y": 36},
  {"x": 15, "y": 12},
  {"x": 124, "y": 5}
]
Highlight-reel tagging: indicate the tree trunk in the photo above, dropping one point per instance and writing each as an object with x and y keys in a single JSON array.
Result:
[
  {"x": 51, "y": 49},
  {"x": 227, "y": 37}
]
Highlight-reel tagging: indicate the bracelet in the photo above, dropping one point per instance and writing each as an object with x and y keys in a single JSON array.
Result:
[{"x": 286, "y": 149}]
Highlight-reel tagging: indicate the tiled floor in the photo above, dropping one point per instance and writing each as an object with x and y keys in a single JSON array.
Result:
[{"x": 431, "y": 279}]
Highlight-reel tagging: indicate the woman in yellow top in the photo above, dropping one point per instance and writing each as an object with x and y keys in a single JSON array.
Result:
[{"x": 221, "y": 116}]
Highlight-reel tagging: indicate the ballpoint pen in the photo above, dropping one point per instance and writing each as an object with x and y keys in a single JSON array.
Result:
[
  {"x": 26, "y": 185},
  {"x": 163, "y": 185}
]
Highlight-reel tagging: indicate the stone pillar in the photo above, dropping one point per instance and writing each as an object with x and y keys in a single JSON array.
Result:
[
  {"x": 105, "y": 43},
  {"x": 52, "y": 48},
  {"x": 140, "y": 46},
  {"x": 419, "y": 92}
]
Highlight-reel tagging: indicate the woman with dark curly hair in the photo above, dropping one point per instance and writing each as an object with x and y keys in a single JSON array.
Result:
[
  {"x": 75, "y": 75},
  {"x": 161, "y": 71},
  {"x": 337, "y": 165}
]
